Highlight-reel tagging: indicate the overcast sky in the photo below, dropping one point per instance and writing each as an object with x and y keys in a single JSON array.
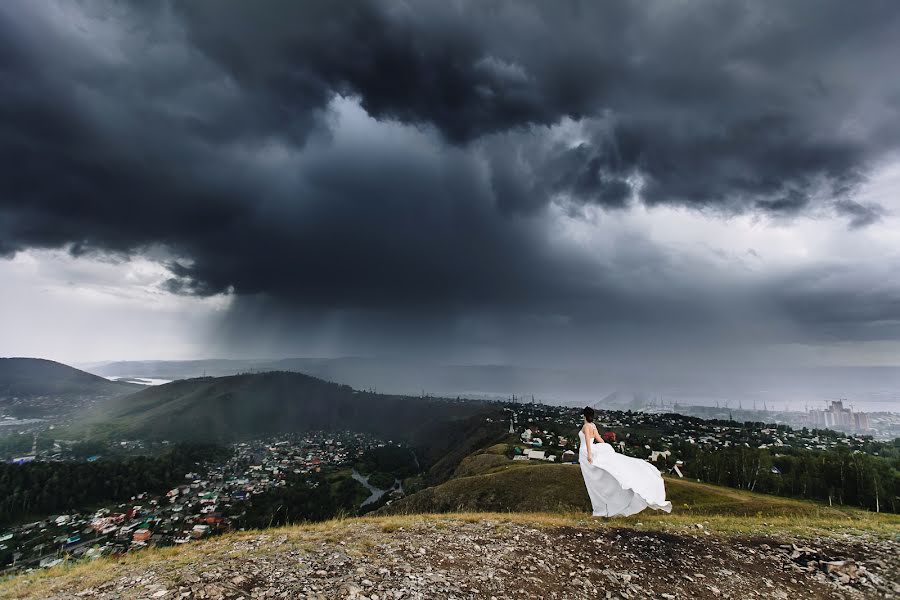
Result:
[{"x": 650, "y": 183}]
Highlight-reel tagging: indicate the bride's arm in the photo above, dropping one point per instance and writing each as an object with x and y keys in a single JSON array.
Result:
[{"x": 596, "y": 435}]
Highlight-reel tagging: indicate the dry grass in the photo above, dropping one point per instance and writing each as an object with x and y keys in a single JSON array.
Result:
[
  {"x": 537, "y": 495},
  {"x": 88, "y": 574}
]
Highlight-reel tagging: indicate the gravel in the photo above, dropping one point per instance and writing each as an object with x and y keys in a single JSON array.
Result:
[{"x": 368, "y": 559}]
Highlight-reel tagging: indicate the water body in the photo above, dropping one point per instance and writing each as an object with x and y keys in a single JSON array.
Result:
[
  {"x": 140, "y": 380},
  {"x": 10, "y": 421},
  {"x": 375, "y": 493}
]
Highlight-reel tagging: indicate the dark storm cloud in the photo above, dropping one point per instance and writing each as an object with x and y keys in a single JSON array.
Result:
[
  {"x": 734, "y": 106},
  {"x": 392, "y": 156},
  {"x": 835, "y": 301},
  {"x": 860, "y": 214}
]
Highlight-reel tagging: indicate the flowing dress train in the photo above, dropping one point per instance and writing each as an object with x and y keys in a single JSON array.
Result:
[{"x": 620, "y": 485}]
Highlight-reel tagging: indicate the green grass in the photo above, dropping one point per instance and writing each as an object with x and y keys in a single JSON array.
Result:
[
  {"x": 480, "y": 464},
  {"x": 381, "y": 480}
]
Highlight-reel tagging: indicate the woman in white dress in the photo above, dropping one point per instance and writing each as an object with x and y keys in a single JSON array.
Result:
[{"x": 618, "y": 485}]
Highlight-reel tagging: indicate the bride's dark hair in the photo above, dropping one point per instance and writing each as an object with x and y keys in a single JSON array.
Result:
[{"x": 588, "y": 413}]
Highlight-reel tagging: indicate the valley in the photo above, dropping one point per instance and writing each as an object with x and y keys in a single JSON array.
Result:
[
  {"x": 378, "y": 300},
  {"x": 492, "y": 482}
]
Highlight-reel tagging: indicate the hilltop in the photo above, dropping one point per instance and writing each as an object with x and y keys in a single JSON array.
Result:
[
  {"x": 33, "y": 386},
  {"x": 487, "y": 555}
]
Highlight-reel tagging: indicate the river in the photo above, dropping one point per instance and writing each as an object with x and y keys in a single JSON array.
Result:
[{"x": 375, "y": 493}]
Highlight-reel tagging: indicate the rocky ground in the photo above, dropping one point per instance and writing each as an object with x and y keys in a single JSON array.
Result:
[{"x": 493, "y": 557}]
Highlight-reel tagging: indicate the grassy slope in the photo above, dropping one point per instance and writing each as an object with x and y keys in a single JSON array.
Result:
[{"x": 490, "y": 482}]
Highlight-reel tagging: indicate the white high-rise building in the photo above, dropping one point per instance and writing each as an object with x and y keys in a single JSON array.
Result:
[{"x": 837, "y": 416}]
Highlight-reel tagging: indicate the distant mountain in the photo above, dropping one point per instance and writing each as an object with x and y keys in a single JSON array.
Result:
[
  {"x": 241, "y": 406},
  {"x": 28, "y": 377},
  {"x": 34, "y": 387},
  {"x": 606, "y": 385},
  {"x": 391, "y": 376}
]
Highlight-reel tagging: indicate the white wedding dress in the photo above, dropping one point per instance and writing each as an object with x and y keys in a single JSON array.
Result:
[{"x": 620, "y": 485}]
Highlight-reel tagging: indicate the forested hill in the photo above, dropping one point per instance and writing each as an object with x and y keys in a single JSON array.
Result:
[
  {"x": 240, "y": 406},
  {"x": 33, "y": 377}
]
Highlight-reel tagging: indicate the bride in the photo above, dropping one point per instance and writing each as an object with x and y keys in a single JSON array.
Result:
[{"x": 617, "y": 484}]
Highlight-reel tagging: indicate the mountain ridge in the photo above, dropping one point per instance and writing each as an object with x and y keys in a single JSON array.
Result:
[
  {"x": 570, "y": 385},
  {"x": 240, "y": 406},
  {"x": 39, "y": 376},
  {"x": 37, "y": 387}
]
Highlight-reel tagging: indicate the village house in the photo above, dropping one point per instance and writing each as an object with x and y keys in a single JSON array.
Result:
[
  {"x": 141, "y": 535},
  {"x": 535, "y": 454}
]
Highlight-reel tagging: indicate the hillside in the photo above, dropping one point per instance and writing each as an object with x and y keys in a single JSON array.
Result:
[
  {"x": 500, "y": 556},
  {"x": 488, "y": 481},
  {"x": 224, "y": 408},
  {"x": 34, "y": 386},
  {"x": 514, "y": 529}
]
